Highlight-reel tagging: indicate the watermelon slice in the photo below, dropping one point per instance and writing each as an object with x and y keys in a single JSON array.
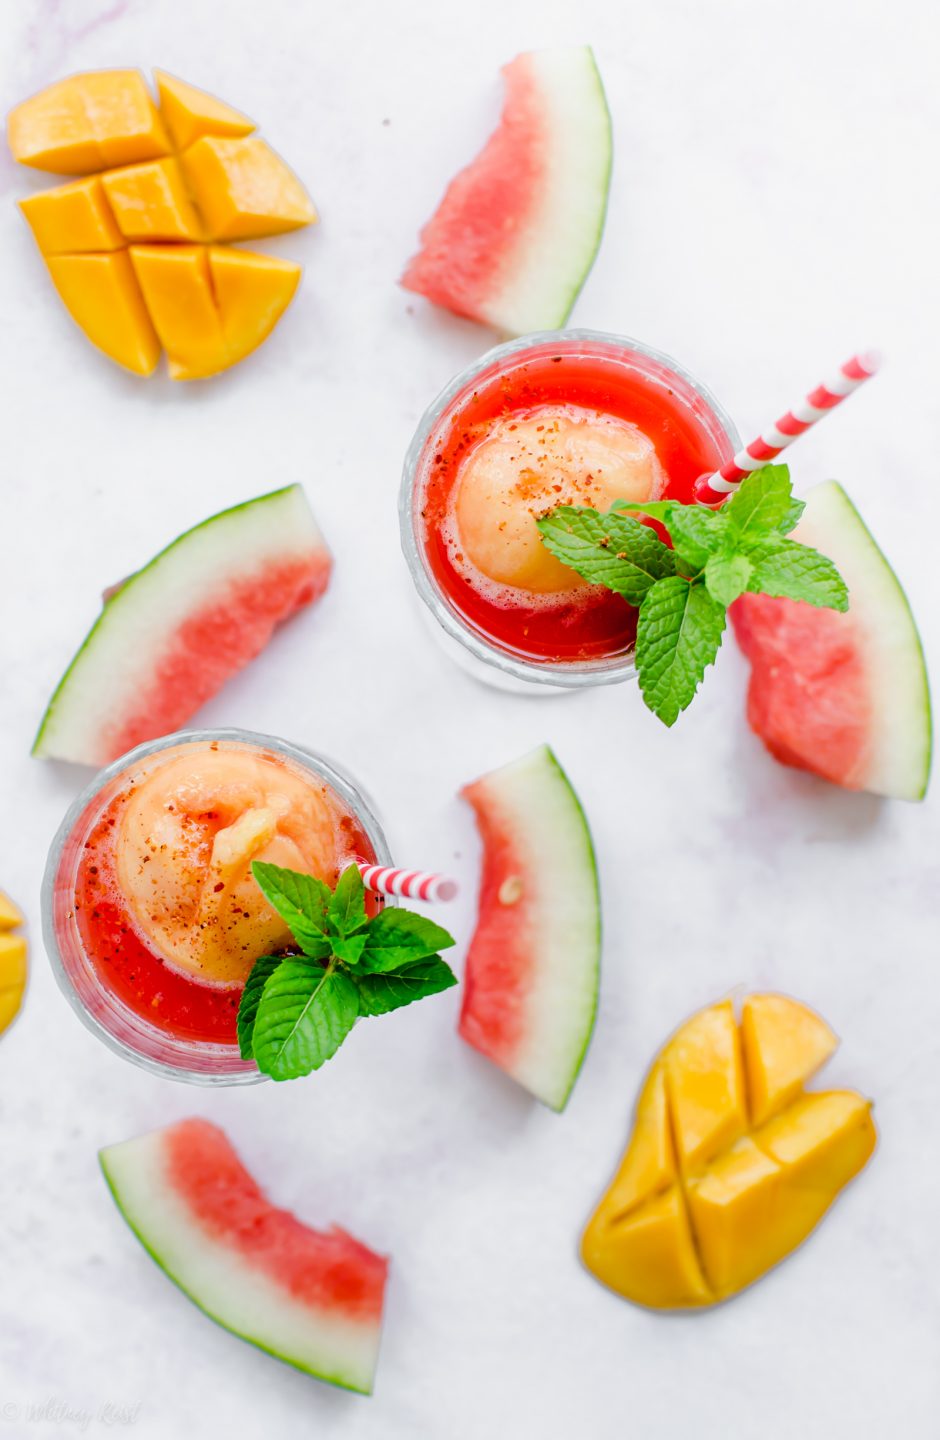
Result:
[
  {"x": 171, "y": 635},
  {"x": 844, "y": 696},
  {"x": 530, "y": 989},
  {"x": 311, "y": 1298},
  {"x": 516, "y": 234}
]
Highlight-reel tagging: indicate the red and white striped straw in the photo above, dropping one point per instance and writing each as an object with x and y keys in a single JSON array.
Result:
[
  {"x": 412, "y": 884},
  {"x": 712, "y": 489}
]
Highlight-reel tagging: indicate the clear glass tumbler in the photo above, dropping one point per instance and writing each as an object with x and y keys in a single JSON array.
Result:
[
  {"x": 481, "y": 654},
  {"x": 104, "y": 1013}
]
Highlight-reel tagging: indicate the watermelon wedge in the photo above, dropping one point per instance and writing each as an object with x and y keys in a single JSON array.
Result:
[
  {"x": 516, "y": 234},
  {"x": 530, "y": 988},
  {"x": 844, "y": 696},
  {"x": 311, "y": 1298},
  {"x": 171, "y": 635}
]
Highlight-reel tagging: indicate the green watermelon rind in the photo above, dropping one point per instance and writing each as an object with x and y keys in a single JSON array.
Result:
[
  {"x": 115, "y": 606},
  {"x": 592, "y": 878},
  {"x": 578, "y": 285},
  {"x": 343, "y": 1382},
  {"x": 577, "y": 876},
  {"x": 877, "y": 569}
]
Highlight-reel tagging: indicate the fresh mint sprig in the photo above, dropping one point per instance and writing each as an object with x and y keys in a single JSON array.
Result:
[
  {"x": 296, "y": 1010},
  {"x": 682, "y": 592}
]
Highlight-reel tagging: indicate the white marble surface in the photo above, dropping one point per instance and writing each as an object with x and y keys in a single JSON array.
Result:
[{"x": 774, "y": 206}]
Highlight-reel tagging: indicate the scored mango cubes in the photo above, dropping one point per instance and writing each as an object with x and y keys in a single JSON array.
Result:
[
  {"x": 12, "y": 963},
  {"x": 135, "y": 249},
  {"x": 731, "y": 1162}
]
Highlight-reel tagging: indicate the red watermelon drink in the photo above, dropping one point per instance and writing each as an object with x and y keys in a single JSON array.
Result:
[
  {"x": 571, "y": 417},
  {"x": 150, "y": 912}
]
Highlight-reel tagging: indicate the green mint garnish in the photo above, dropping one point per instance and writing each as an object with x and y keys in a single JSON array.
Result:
[
  {"x": 251, "y": 999},
  {"x": 678, "y": 633},
  {"x": 296, "y": 1010},
  {"x": 682, "y": 593},
  {"x": 613, "y": 550},
  {"x": 380, "y": 993},
  {"x": 304, "y": 1016}
]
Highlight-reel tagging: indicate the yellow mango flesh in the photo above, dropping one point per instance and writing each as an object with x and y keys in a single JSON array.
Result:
[
  {"x": 73, "y": 218},
  {"x": 649, "y": 1254},
  {"x": 785, "y": 1043},
  {"x": 124, "y": 119},
  {"x": 244, "y": 189},
  {"x": 189, "y": 113},
  {"x": 150, "y": 202},
  {"x": 252, "y": 293},
  {"x": 86, "y": 123},
  {"x": 103, "y": 297},
  {"x": 711, "y": 1193},
  {"x": 10, "y": 917},
  {"x": 13, "y": 963},
  {"x": 649, "y": 1163},
  {"x": 101, "y": 236},
  {"x": 177, "y": 292},
  {"x": 53, "y": 131},
  {"x": 705, "y": 1085}
]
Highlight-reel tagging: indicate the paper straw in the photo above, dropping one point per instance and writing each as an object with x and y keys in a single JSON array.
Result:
[
  {"x": 712, "y": 489},
  {"x": 411, "y": 884}
]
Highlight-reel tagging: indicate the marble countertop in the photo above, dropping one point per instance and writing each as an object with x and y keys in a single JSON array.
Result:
[{"x": 772, "y": 209}]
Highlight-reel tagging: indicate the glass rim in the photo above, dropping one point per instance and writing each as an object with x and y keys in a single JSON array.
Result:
[
  {"x": 356, "y": 799},
  {"x": 566, "y": 674}
]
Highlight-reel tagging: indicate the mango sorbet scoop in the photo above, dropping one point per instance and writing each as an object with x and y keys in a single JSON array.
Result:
[{"x": 732, "y": 1162}]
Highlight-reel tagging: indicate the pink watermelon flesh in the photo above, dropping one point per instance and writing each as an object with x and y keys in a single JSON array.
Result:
[
  {"x": 330, "y": 1271},
  {"x": 172, "y": 634},
  {"x": 467, "y": 246},
  {"x": 842, "y": 695},
  {"x": 809, "y": 697},
  {"x": 530, "y": 986},
  {"x": 516, "y": 232},
  {"x": 501, "y": 958},
  {"x": 313, "y": 1298},
  {"x": 220, "y": 639}
]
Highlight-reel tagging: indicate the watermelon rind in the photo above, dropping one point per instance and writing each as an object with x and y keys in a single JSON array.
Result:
[
  {"x": 238, "y": 1299},
  {"x": 566, "y": 236},
  {"x": 116, "y": 658},
  {"x": 901, "y": 740},
  {"x": 533, "y": 800}
]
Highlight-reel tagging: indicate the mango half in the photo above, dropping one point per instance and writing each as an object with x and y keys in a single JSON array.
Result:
[
  {"x": 139, "y": 249},
  {"x": 732, "y": 1162},
  {"x": 12, "y": 962}
]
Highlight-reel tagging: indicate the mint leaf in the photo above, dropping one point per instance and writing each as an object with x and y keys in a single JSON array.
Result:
[
  {"x": 380, "y": 993},
  {"x": 399, "y": 937},
  {"x": 251, "y": 998},
  {"x": 295, "y": 1013},
  {"x": 792, "y": 516},
  {"x": 304, "y": 1016},
  {"x": 762, "y": 502},
  {"x": 656, "y": 509},
  {"x": 348, "y": 905},
  {"x": 726, "y": 577},
  {"x": 679, "y": 630},
  {"x": 786, "y": 569},
  {"x": 610, "y": 550},
  {"x": 302, "y": 901},
  {"x": 697, "y": 532},
  {"x": 348, "y": 948}
]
